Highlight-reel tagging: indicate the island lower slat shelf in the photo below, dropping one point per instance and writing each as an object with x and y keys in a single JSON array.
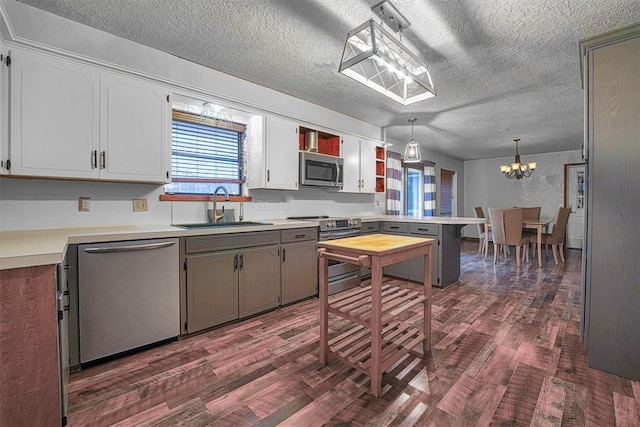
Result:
[
  {"x": 354, "y": 345},
  {"x": 377, "y": 336}
]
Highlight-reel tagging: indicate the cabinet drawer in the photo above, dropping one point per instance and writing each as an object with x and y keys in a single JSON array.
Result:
[
  {"x": 428, "y": 229},
  {"x": 395, "y": 227},
  {"x": 219, "y": 242},
  {"x": 299, "y": 234},
  {"x": 370, "y": 227}
]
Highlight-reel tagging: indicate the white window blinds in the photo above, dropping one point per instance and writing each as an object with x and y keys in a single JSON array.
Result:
[{"x": 205, "y": 153}]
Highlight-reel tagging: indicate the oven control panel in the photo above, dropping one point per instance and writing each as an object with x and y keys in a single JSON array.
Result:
[{"x": 340, "y": 223}]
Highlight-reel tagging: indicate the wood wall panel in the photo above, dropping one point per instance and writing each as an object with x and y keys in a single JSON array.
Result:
[
  {"x": 613, "y": 238},
  {"x": 29, "y": 388}
]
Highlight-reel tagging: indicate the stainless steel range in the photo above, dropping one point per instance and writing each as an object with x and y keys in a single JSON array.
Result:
[{"x": 341, "y": 275}]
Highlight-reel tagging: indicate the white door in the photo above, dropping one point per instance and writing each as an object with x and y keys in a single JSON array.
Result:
[{"x": 576, "y": 201}]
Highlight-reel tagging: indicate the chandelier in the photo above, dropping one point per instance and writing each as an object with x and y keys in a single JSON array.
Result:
[
  {"x": 412, "y": 150},
  {"x": 376, "y": 59},
  {"x": 517, "y": 169}
]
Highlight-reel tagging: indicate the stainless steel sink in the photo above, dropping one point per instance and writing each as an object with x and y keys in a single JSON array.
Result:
[{"x": 221, "y": 224}]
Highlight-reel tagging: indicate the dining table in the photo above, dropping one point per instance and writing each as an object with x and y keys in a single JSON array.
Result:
[{"x": 538, "y": 224}]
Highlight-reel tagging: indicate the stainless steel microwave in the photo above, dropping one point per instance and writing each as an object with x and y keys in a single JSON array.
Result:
[{"x": 320, "y": 170}]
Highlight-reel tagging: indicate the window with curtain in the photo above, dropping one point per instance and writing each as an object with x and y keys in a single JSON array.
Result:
[
  {"x": 205, "y": 153},
  {"x": 418, "y": 184},
  {"x": 414, "y": 186}
]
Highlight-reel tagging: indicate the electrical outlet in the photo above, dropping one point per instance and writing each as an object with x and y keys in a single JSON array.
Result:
[
  {"x": 83, "y": 204},
  {"x": 140, "y": 205},
  {"x": 262, "y": 205}
]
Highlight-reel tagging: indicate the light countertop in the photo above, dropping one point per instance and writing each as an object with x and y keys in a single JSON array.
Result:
[
  {"x": 456, "y": 220},
  {"x": 43, "y": 247}
]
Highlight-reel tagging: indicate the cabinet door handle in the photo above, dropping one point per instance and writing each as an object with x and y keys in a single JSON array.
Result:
[
  {"x": 103, "y": 159},
  {"x": 284, "y": 255},
  {"x": 241, "y": 261},
  {"x": 235, "y": 262},
  {"x": 94, "y": 159},
  {"x": 268, "y": 174}
]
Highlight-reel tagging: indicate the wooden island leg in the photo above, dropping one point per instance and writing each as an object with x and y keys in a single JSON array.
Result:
[
  {"x": 376, "y": 326},
  {"x": 426, "y": 318},
  {"x": 324, "y": 309}
]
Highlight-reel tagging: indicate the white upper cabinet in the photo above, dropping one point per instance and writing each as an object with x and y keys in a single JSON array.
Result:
[
  {"x": 351, "y": 169},
  {"x": 134, "y": 127},
  {"x": 69, "y": 120},
  {"x": 54, "y": 107},
  {"x": 367, "y": 166},
  {"x": 272, "y": 154},
  {"x": 359, "y": 174},
  {"x": 4, "y": 110}
]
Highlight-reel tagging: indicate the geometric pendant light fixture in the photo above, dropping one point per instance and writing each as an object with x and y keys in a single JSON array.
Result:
[
  {"x": 373, "y": 57},
  {"x": 412, "y": 150},
  {"x": 518, "y": 169}
]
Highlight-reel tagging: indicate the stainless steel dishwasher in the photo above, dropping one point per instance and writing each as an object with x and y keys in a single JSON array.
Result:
[{"x": 128, "y": 296}]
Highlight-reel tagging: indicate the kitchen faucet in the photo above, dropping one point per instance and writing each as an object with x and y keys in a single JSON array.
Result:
[{"x": 214, "y": 215}]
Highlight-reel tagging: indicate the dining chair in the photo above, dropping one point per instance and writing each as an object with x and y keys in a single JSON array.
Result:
[
  {"x": 506, "y": 225},
  {"x": 483, "y": 246},
  {"x": 557, "y": 235},
  {"x": 496, "y": 217},
  {"x": 514, "y": 235},
  {"x": 531, "y": 213}
]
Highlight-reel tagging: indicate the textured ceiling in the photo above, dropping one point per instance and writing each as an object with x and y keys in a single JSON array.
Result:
[{"x": 502, "y": 69}]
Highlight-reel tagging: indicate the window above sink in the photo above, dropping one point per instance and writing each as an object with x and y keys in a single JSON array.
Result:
[{"x": 207, "y": 148}]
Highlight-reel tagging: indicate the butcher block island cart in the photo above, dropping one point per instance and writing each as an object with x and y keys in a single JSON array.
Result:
[{"x": 377, "y": 339}]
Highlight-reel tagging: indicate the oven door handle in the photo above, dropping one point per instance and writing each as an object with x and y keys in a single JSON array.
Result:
[{"x": 338, "y": 235}]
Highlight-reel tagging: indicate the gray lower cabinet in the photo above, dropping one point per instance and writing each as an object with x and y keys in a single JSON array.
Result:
[
  {"x": 368, "y": 228},
  {"x": 400, "y": 269},
  {"x": 232, "y": 276},
  {"x": 445, "y": 258},
  {"x": 299, "y": 264},
  {"x": 258, "y": 280},
  {"x": 229, "y": 277},
  {"x": 212, "y": 289}
]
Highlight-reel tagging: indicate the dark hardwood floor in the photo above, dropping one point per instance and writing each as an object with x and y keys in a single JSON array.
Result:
[{"x": 505, "y": 351}]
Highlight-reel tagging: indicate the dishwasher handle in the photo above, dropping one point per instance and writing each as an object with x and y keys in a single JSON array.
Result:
[{"x": 145, "y": 247}]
